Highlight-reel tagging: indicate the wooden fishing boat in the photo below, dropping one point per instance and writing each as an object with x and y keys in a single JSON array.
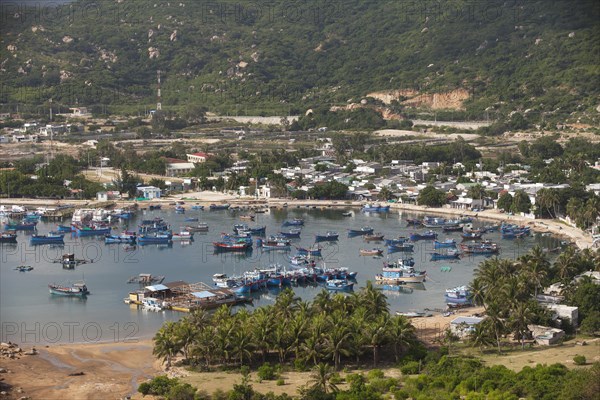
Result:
[
  {"x": 371, "y": 252},
  {"x": 374, "y": 237},
  {"x": 77, "y": 289}
]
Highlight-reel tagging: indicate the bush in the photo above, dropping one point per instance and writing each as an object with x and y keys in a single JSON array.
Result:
[
  {"x": 159, "y": 386},
  {"x": 300, "y": 366},
  {"x": 280, "y": 382},
  {"x": 266, "y": 372},
  {"x": 182, "y": 391},
  {"x": 410, "y": 368},
  {"x": 579, "y": 360},
  {"x": 375, "y": 374},
  {"x": 336, "y": 379}
]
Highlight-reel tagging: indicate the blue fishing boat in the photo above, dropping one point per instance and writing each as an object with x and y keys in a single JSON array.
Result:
[
  {"x": 402, "y": 247},
  {"x": 339, "y": 285},
  {"x": 449, "y": 255},
  {"x": 21, "y": 226},
  {"x": 217, "y": 207},
  {"x": 91, "y": 230},
  {"x": 155, "y": 238},
  {"x": 458, "y": 296},
  {"x": 327, "y": 237},
  {"x": 6, "y": 237},
  {"x": 471, "y": 235},
  {"x": 429, "y": 235},
  {"x": 179, "y": 210},
  {"x": 294, "y": 222},
  {"x": 245, "y": 229},
  {"x": 124, "y": 215},
  {"x": 197, "y": 207},
  {"x": 50, "y": 238},
  {"x": 483, "y": 248},
  {"x": 513, "y": 234},
  {"x": 191, "y": 219},
  {"x": 365, "y": 230},
  {"x": 448, "y": 243},
  {"x": 452, "y": 228},
  {"x": 309, "y": 252},
  {"x": 414, "y": 222},
  {"x": 434, "y": 222},
  {"x": 396, "y": 241},
  {"x": 375, "y": 208},
  {"x": 123, "y": 238},
  {"x": 292, "y": 233},
  {"x": 64, "y": 228},
  {"x": 155, "y": 207}
]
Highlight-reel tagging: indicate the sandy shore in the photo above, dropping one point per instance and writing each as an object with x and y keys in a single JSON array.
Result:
[{"x": 110, "y": 371}]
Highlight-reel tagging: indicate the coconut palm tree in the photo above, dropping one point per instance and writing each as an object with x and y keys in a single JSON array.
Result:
[
  {"x": 482, "y": 335},
  {"x": 401, "y": 333},
  {"x": 262, "y": 328},
  {"x": 376, "y": 335},
  {"x": 520, "y": 316},
  {"x": 166, "y": 343},
  {"x": 311, "y": 348},
  {"x": 322, "y": 301},
  {"x": 495, "y": 322},
  {"x": 565, "y": 265},
  {"x": 185, "y": 333},
  {"x": 297, "y": 330},
  {"x": 373, "y": 300},
  {"x": 321, "y": 378},
  {"x": 286, "y": 303},
  {"x": 337, "y": 341}
]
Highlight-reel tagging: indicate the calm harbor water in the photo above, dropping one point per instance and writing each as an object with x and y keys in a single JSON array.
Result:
[{"x": 29, "y": 314}]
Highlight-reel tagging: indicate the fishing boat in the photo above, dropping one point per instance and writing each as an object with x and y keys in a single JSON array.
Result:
[
  {"x": 179, "y": 210},
  {"x": 247, "y": 217},
  {"x": 197, "y": 207},
  {"x": 155, "y": 207},
  {"x": 434, "y": 222},
  {"x": 371, "y": 252},
  {"x": 21, "y": 226},
  {"x": 217, "y": 207},
  {"x": 448, "y": 255},
  {"x": 365, "y": 230},
  {"x": 122, "y": 238},
  {"x": 201, "y": 227},
  {"x": 339, "y": 284},
  {"x": 183, "y": 235},
  {"x": 243, "y": 228},
  {"x": 155, "y": 238},
  {"x": 315, "y": 252},
  {"x": 401, "y": 263},
  {"x": 458, "y": 296},
  {"x": 401, "y": 247},
  {"x": 191, "y": 219},
  {"x": 64, "y": 228},
  {"x": 146, "y": 279},
  {"x": 513, "y": 234},
  {"x": 375, "y": 208},
  {"x": 50, "y": 238},
  {"x": 274, "y": 243},
  {"x": 92, "y": 230},
  {"x": 471, "y": 235},
  {"x": 294, "y": 222},
  {"x": 373, "y": 237},
  {"x": 126, "y": 215},
  {"x": 69, "y": 261},
  {"x": 130, "y": 247},
  {"x": 448, "y": 243},
  {"x": 347, "y": 214},
  {"x": 6, "y": 237},
  {"x": 327, "y": 237},
  {"x": 23, "y": 268},
  {"x": 233, "y": 246},
  {"x": 292, "y": 233},
  {"x": 428, "y": 235},
  {"x": 78, "y": 289},
  {"x": 395, "y": 275},
  {"x": 480, "y": 248},
  {"x": 413, "y": 222},
  {"x": 396, "y": 241},
  {"x": 452, "y": 228},
  {"x": 153, "y": 225},
  {"x": 223, "y": 281},
  {"x": 413, "y": 314}
]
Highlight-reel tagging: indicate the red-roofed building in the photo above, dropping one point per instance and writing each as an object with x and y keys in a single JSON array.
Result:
[{"x": 197, "y": 157}]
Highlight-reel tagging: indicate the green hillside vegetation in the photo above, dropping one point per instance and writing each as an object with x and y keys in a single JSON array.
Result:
[{"x": 280, "y": 58}]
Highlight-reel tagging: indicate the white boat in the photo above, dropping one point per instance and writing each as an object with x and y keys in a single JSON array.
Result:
[
  {"x": 152, "y": 304},
  {"x": 183, "y": 235}
]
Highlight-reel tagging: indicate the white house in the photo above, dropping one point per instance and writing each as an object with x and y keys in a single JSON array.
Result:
[
  {"x": 175, "y": 167},
  {"x": 197, "y": 157},
  {"x": 91, "y": 143},
  {"x": 562, "y": 311},
  {"x": 149, "y": 192},
  {"x": 102, "y": 196},
  {"x": 464, "y": 326}
]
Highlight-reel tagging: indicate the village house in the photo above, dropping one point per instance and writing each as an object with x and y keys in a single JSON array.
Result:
[
  {"x": 464, "y": 326},
  {"x": 197, "y": 158},
  {"x": 546, "y": 336},
  {"x": 149, "y": 192},
  {"x": 176, "y": 167},
  {"x": 564, "y": 312}
]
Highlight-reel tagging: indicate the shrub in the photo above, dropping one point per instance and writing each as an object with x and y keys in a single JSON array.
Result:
[
  {"x": 280, "y": 382},
  {"x": 159, "y": 386},
  {"x": 579, "y": 360},
  {"x": 336, "y": 379},
  {"x": 410, "y": 368},
  {"x": 300, "y": 366},
  {"x": 375, "y": 374},
  {"x": 266, "y": 372}
]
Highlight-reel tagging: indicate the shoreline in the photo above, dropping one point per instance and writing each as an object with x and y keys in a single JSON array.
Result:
[{"x": 552, "y": 226}]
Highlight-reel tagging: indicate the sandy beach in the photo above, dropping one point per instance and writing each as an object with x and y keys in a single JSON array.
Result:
[{"x": 110, "y": 371}]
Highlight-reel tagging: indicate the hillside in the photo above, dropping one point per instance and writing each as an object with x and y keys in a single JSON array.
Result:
[{"x": 484, "y": 58}]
